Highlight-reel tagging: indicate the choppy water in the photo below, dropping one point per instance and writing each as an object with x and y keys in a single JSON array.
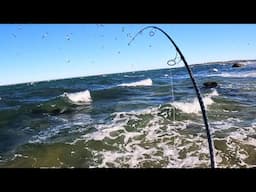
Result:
[{"x": 130, "y": 120}]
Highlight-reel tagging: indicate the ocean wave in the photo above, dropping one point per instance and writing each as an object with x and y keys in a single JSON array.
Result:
[
  {"x": 235, "y": 75},
  {"x": 78, "y": 123},
  {"x": 145, "y": 82},
  {"x": 79, "y": 98},
  {"x": 143, "y": 137},
  {"x": 134, "y": 75},
  {"x": 31, "y": 83},
  {"x": 194, "y": 107}
]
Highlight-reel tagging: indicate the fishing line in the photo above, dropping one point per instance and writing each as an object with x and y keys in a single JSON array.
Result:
[
  {"x": 202, "y": 106},
  {"x": 173, "y": 99},
  {"x": 171, "y": 63}
]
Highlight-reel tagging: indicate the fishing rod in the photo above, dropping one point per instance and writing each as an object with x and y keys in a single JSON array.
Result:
[{"x": 205, "y": 118}]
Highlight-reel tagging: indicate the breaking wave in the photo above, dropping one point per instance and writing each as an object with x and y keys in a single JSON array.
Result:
[
  {"x": 145, "y": 82},
  {"x": 79, "y": 98}
]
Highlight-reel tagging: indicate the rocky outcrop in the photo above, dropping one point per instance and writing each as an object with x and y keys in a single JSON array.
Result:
[
  {"x": 238, "y": 65},
  {"x": 210, "y": 84}
]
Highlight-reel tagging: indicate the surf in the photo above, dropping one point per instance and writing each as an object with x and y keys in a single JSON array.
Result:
[
  {"x": 194, "y": 107},
  {"x": 79, "y": 98},
  {"x": 145, "y": 82}
]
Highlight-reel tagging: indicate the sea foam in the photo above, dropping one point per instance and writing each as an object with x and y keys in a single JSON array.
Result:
[
  {"x": 235, "y": 75},
  {"x": 82, "y": 97},
  {"x": 194, "y": 107},
  {"x": 145, "y": 82}
]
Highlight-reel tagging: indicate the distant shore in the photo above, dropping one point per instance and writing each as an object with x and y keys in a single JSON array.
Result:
[{"x": 227, "y": 62}]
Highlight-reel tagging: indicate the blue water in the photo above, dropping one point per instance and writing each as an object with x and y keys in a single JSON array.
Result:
[{"x": 137, "y": 119}]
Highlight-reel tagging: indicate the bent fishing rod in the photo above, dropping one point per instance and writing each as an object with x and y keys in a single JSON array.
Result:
[{"x": 204, "y": 115}]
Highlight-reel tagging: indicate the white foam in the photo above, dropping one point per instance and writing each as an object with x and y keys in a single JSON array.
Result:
[
  {"x": 145, "y": 82},
  {"x": 133, "y": 75},
  {"x": 236, "y": 75},
  {"x": 224, "y": 124},
  {"x": 215, "y": 70},
  {"x": 166, "y": 142},
  {"x": 18, "y": 155},
  {"x": 150, "y": 148},
  {"x": 82, "y": 97},
  {"x": 64, "y": 125},
  {"x": 194, "y": 107}
]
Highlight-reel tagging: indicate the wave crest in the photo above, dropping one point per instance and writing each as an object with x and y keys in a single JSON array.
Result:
[
  {"x": 194, "y": 107},
  {"x": 79, "y": 98},
  {"x": 145, "y": 82}
]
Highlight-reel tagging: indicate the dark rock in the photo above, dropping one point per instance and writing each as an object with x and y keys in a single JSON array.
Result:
[
  {"x": 121, "y": 115},
  {"x": 210, "y": 84},
  {"x": 238, "y": 65}
]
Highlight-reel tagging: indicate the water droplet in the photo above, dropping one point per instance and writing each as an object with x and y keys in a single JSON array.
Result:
[
  {"x": 150, "y": 46},
  {"x": 129, "y": 35},
  {"x": 68, "y": 61},
  {"x": 67, "y": 38},
  {"x": 44, "y": 35},
  {"x": 151, "y": 33},
  {"x": 115, "y": 38},
  {"x": 118, "y": 52},
  {"x": 122, "y": 29},
  {"x": 14, "y": 35}
]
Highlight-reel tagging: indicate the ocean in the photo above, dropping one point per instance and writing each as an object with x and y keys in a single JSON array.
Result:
[{"x": 142, "y": 119}]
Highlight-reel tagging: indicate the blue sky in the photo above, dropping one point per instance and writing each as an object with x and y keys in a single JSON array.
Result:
[{"x": 35, "y": 52}]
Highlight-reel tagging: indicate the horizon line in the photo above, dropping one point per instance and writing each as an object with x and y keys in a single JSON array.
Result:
[{"x": 100, "y": 74}]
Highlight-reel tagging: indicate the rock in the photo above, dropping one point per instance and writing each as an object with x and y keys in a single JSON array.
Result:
[
  {"x": 238, "y": 65},
  {"x": 210, "y": 84},
  {"x": 121, "y": 115}
]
